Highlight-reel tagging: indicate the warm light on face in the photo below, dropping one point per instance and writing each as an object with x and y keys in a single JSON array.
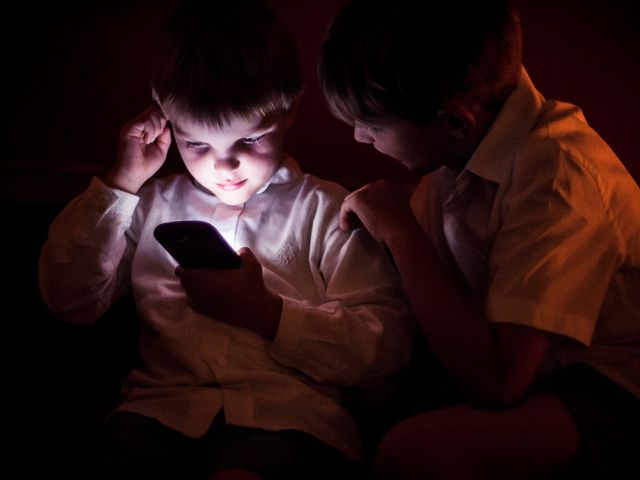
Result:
[
  {"x": 236, "y": 160},
  {"x": 417, "y": 147}
]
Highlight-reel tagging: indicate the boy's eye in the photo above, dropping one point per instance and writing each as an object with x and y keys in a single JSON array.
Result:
[
  {"x": 196, "y": 145},
  {"x": 253, "y": 140}
]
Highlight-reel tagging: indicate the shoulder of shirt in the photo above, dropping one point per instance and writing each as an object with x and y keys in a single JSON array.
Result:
[
  {"x": 535, "y": 136},
  {"x": 166, "y": 186},
  {"x": 562, "y": 135},
  {"x": 323, "y": 186},
  {"x": 326, "y": 195},
  {"x": 565, "y": 155},
  {"x": 309, "y": 184},
  {"x": 320, "y": 199}
]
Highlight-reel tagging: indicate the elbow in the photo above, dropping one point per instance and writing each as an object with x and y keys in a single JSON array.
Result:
[
  {"x": 500, "y": 393},
  {"x": 73, "y": 305},
  {"x": 80, "y": 317},
  {"x": 69, "y": 311},
  {"x": 77, "y": 318},
  {"x": 379, "y": 367}
]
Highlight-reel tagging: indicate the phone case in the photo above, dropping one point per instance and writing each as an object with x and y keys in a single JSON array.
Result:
[{"x": 196, "y": 244}]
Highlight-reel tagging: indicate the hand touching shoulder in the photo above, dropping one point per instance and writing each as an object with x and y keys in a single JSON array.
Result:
[{"x": 381, "y": 207}]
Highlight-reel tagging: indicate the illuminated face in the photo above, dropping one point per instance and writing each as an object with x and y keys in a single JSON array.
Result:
[
  {"x": 420, "y": 148},
  {"x": 236, "y": 160}
]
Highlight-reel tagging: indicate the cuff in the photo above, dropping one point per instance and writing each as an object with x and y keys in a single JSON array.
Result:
[
  {"x": 105, "y": 198},
  {"x": 287, "y": 338}
]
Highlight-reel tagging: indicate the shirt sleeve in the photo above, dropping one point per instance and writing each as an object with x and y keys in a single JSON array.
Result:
[
  {"x": 85, "y": 262},
  {"x": 556, "y": 251},
  {"x": 361, "y": 334}
]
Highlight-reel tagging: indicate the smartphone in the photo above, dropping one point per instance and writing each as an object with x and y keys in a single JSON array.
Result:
[{"x": 196, "y": 244}]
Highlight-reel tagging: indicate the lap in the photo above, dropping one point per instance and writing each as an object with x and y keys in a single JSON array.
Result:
[
  {"x": 135, "y": 446},
  {"x": 282, "y": 454}
]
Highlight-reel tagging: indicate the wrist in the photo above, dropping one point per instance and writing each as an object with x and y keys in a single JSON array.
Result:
[{"x": 126, "y": 183}]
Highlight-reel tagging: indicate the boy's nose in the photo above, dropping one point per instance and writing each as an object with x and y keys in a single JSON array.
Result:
[
  {"x": 361, "y": 134},
  {"x": 226, "y": 163}
]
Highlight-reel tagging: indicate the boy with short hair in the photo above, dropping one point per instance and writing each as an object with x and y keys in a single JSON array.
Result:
[
  {"x": 243, "y": 370},
  {"x": 521, "y": 255}
]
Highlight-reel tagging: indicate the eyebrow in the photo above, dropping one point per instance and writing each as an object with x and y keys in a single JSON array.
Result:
[{"x": 265, "y": 123}]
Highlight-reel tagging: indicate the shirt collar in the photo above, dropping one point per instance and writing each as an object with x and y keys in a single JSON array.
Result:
[
  {"x": 287, "y": 172},
  {"x": 510, "y": 128}
]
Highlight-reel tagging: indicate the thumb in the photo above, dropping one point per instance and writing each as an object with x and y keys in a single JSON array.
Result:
[
  {"x": 164, "y": 139},
  {"x": 348, "y": 218},
  {"x": 249, "y": 259},
  {"x": 247, "y": 255}
]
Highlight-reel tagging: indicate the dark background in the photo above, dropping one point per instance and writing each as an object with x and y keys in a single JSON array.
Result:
[{"x": 73, "y": 74}]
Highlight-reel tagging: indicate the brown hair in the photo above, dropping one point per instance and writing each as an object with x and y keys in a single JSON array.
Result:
[
  {"x": 404, "y": 58},
  {"x": 219, "y": 59}
]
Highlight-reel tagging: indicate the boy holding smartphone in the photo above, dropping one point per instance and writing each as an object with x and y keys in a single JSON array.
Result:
[{"x": 243, "y": 369}]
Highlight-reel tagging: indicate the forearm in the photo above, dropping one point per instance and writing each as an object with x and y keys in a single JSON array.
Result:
[
  {"x": 269, "y": 311},
  {"x": 69, "y": 295},
  {"x": 345, "y": 345},
  {"x": 79, "y": 269},
  {"x": 457, "y": 330},
  {"x": 493, "y": 362}
]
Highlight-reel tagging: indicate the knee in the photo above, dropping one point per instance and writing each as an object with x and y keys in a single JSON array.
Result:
[
  {"x": 437, "y": 445},
  {"x": 411, "y": 450},
  {"x": 390, "y": 455}
]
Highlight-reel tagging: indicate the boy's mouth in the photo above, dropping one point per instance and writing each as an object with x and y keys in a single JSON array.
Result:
[{"x": 232, "y": 185}]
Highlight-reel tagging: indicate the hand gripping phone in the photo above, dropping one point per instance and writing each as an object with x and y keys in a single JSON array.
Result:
[{"x": 196, "y": 244}]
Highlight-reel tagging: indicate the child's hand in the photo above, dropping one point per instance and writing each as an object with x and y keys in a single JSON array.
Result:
[
  {"x": 234, "y": 296},
  {"x": 380, "y": 207},
  {"x": 142, "y": 149}
]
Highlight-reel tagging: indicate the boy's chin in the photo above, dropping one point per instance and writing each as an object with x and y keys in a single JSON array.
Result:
[{"x": 233, "y": 199}]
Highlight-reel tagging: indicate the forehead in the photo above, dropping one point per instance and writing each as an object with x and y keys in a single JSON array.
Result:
[{"x": 237, "y": 127}]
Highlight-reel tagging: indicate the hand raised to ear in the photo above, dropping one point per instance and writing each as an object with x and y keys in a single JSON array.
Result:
[{"x": 142, "y": 149}]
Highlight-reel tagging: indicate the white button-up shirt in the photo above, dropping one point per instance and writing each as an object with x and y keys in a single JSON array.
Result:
[
  {"x": 344, "y": 321},
  {"x": 544, "y": 226}
]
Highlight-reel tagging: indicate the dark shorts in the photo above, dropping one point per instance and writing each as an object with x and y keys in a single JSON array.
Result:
[
  {"x": 138, "y": 447},
  {"x": 608, "y": 418}
]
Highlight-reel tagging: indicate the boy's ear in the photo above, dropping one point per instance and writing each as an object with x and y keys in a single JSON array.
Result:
[{"x": 458, "y": 121}]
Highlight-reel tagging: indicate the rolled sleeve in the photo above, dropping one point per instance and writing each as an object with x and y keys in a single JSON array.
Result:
[{"x": 81, "y": 264}]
